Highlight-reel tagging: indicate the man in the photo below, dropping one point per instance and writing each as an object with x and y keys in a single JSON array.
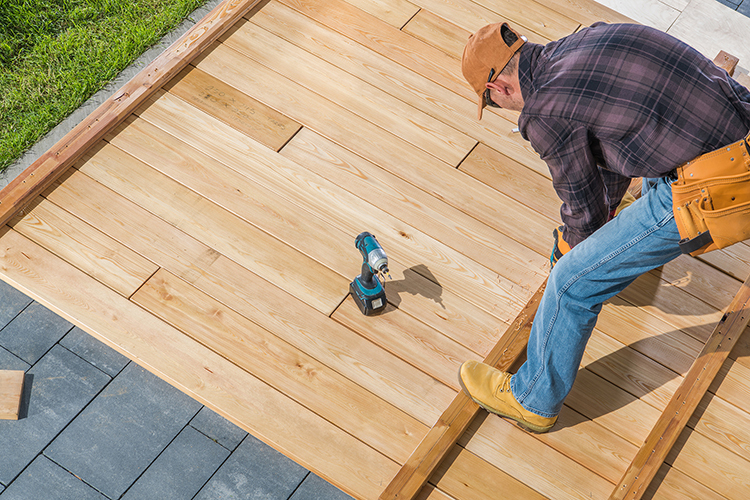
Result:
[{"x": 601, "y": 106}]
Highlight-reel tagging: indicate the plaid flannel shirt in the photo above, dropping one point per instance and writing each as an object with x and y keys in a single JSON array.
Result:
[{"x": 616, "y": 101}]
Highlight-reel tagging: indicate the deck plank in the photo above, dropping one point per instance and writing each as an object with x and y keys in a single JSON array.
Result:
[
  {"x": 711, "y": 465},
  {"x": 376, "y": 65},
  {"x": 542, "y": 468},
  {"x": 466, "y": 476},
  {"x": 217, "y": 227},
  {"x": 524, "y": 16},
  {"x": 358, "y": 96},
  {"x": 85, "y": 247},
  {"x": 394, "y": 12},
  {"x": 319, "y": 196},
  {"x": 409, "y": 339},
  {"x": 436, "y": 31},
  {"x": 289, "y": 318},
  {"x": 194, "y": 369},
  {"x": 389, "y": 152},
  {"x": 287, "y": 369},
  {"x": 246, "y": 114}
]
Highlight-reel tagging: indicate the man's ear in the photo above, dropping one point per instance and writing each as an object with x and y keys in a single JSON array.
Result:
[{"x": 502, "y": 84}]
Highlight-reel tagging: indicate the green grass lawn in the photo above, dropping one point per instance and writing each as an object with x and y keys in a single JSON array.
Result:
[{"x": 55, "y": 54}]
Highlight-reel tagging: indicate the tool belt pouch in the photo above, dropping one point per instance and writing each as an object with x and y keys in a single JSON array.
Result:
[{"x": 711, "y": 199}]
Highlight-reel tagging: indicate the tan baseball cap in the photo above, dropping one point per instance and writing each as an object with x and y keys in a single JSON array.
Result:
[{"x": 486, "y": 50}]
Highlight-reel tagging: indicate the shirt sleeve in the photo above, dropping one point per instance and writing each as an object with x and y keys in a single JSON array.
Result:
[{"x": 577, "y": 179}]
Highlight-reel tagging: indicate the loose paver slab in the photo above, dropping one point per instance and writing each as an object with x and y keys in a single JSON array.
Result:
[
  {"x": 218, "y": 428},
  {"x": 94, "y": 351},
  {"x": 254, "y": 471},
  {"x": 315, "y": 488},
  {"x": 12, "y": 302}
]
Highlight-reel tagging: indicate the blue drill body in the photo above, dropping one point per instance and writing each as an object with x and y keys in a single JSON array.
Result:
[{"x": 366, "y": 289}]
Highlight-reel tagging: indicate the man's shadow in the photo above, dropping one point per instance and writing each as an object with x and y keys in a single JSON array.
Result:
[
  {"x": 616, "y": 395},
  {"x": 418, "y": 280}
]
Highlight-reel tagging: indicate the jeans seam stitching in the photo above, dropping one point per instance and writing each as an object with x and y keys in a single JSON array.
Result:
[{"x": 570, "y": 283}]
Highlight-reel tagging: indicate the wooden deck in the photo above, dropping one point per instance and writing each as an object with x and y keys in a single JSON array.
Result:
[{"x": 210, "y": 238}]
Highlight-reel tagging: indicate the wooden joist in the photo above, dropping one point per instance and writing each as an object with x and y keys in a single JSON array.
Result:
[
  {"x": 458, "y": 416},
  {"x": 685, "y": 400}
]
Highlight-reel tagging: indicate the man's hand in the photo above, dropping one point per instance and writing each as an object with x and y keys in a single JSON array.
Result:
[{"x": 560, "y": 246}]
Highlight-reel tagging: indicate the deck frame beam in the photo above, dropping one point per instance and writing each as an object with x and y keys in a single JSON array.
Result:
[
  {"x": 685, "y": 400},
  {"x": 454, "y": 421}
]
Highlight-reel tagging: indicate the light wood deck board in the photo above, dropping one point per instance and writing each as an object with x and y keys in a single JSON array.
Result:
[
  {"x": 289, "y": 370},
  {"x": 289, "y": 427},
  {"x": 265, "y": 163}
]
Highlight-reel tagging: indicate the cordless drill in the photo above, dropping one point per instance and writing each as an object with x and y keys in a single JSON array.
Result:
[{"x": 367, "y": 290}]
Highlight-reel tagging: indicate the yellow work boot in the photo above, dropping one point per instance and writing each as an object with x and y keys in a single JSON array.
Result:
[{"x": 490, "y": 389}]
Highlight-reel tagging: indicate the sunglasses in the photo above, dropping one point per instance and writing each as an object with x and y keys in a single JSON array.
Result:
[{"x": 487, "y": 98}]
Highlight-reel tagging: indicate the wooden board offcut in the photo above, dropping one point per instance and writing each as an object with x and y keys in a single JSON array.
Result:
[
  {"x": 206, "y": 231},
  {"x": 11, "y": 390}
]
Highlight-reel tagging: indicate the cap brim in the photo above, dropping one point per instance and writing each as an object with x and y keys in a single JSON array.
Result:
[{"x": 481, "y": 106}]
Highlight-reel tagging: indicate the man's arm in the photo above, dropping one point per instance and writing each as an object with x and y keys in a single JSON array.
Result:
[{"x": 566, "y": 149}]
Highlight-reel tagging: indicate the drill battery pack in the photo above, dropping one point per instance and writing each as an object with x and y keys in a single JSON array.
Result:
[{"x": 370, "y": 299}]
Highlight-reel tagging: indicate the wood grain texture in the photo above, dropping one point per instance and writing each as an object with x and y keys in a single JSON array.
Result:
[
  {"x": 11, "y": 390},
  {"x": 526, "y": 17},
  {"x": 320, "y": 197},
  {"x": 221, "y": 230},
  {"x": 239, "y": 110},
  {"x": 464, "y": 475},
  {"x": 197, "y": 371},
  {"x": 45, "y": 170},
  {"x": 542, "y": 468},
  {"x": 287, "y": 369},
  {"x": 356, "y": 95},
  {"x": 376, "y": 65},
  {"x": 85, "y": 247},
  {"x": 291, "y": 319},
  {"x": 684, "y": 401},
  {"x": 387, "y": 151},
  {"x": 438, "y": 32}
]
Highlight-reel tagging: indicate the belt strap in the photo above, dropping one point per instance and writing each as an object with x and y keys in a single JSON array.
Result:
[{"x": 689, "y": 246}]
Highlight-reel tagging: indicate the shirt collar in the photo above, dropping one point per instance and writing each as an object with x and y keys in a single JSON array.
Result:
[{"x": 527, "y": 65}]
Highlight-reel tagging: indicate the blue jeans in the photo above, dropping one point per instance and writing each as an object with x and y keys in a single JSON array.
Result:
[{"x": 644, "y": 236}]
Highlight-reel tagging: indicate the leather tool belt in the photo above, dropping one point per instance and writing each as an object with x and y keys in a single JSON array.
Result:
[{"x": 711, "y": 199}]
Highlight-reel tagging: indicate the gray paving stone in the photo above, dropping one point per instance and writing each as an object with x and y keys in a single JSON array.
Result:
[
  {"x": 123, "y": 430},
  {"x": 218, "y": 428},
  {"x": 33, "y": 332},
  {"x": 181, "y": 470},
  {"x": 44, "y": 479},
  {"x": 315, "y": 488},
  {"x": 9, "y": 361},
  {"x": 254, "y": 471},
  {"x": 744, "y": 8},
  {"x": 62, "y": 385},
  {"x": 732, "y": 4},
  {"x": 12, "y": 302},
  {"x": 94, "y": 351}
]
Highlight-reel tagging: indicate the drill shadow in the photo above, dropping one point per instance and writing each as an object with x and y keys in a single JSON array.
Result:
[{"x": 418, "y": 280}]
